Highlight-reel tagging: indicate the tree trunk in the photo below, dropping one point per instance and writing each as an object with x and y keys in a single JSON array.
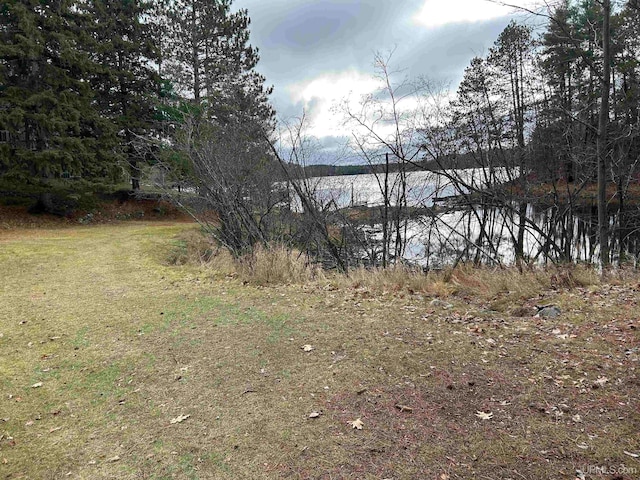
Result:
[
  {"x": 603, "y": 121},
  {"x": 385, "y": 214}
]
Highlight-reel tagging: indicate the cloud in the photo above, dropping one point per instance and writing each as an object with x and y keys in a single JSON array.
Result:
[
  {"x": 435, "y": 13},
  {"x": 319, "y": 97},
  {"x": 318, "y": 52}
]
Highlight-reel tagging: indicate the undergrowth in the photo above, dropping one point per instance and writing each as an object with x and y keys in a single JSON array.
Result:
[{"x": 277, "y": 265}]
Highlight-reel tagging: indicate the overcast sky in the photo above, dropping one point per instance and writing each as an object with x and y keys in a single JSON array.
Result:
[{"x": 316, "y": 52}]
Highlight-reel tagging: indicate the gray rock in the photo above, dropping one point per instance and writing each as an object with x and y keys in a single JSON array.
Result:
[
  {"x": 436, "y": 302},
  {"x": 548, "y": 311}
]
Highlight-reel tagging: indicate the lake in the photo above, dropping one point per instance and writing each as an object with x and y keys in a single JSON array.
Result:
[{"x": 479, "y": 234}]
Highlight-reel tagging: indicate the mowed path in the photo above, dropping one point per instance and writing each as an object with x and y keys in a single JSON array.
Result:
[
  {"x": 115, "y": 364},
  {"x": 71, "y": 301}
]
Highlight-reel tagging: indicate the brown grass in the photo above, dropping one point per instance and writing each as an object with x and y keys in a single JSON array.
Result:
[
  {"x": 276, "y": 265},
  {"x": 123, "y": 342}
]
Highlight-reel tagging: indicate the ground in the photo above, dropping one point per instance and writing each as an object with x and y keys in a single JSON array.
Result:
[{"x": 117, "y": 363}]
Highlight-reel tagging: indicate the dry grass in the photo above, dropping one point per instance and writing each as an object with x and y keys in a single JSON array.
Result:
[
  {"x": 276, "y": 265},
  {"x": 123, "y": 342}
]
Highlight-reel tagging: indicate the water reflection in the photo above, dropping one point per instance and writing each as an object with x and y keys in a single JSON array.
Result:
[
  {"x": 488, "y": 236},
  {"x": 475, "y": 233}
]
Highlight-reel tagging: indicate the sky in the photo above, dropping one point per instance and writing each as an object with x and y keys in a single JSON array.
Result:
[{"x": 316, "y": 53}]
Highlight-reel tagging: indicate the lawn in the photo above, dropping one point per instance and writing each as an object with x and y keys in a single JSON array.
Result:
[{"x": 118, "y": 364}]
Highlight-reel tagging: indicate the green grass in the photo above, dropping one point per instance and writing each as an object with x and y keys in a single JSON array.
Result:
[{"x": 124, "y": 340}]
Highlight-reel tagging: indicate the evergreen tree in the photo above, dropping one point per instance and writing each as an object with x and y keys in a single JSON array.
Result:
[
  {"x": 125, "y": 84},
  {"x": 213, "y": 63},
  {"x": 556, "y": 131},
  {"x": 48, "y": 123}
]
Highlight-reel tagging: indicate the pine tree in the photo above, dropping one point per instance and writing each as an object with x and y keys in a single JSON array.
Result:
[
  {"x": 125, "y": 84},
  {"x": 48, "y": 123},
  {"x": 512, "y": 60},
  {"x": 213, "y": 63}
]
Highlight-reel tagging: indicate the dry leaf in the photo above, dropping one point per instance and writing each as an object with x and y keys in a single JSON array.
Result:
[
  {"x": 54, "y": 429},
  {"x": 36, "y": 385},
  {"x": 404, "y": 408},
  {"x": 601, "y": 381},
  {"x": 444, "y": 476},
  {"x": 113, "y": 459},
  {"x": 179, "y": 419},
  {"x": 634, "y": 455},
  {"x": 307, "y": 348},
  {"x": 315, "y": 414},
  {"x": 357, "y": 424},
  {"x": 484, "y": 415}
]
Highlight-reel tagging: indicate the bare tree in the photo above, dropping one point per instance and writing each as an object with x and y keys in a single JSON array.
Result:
[{"x": 385, "y": 128}]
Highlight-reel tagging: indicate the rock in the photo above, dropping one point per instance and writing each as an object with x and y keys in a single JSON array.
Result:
[
  {"x": 436, "y": 302},
  {"x": 548, "y": 311}
]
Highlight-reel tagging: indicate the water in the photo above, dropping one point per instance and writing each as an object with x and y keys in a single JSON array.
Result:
[
  {"x": 422, "y": 187},
  {"x": 473, "y": 233}
]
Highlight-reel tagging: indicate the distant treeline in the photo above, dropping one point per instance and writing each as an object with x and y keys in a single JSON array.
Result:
[{"x": 459, "y": 161}]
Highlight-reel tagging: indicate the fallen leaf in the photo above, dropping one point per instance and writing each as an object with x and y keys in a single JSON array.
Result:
[
  {"x": 357, "y": 424},
  {"x": 54, "y": 429},
  {"x": 634, "y": 455},
  {"x": 600, "y": 382},
  {"x": 404, "y": 408},
  {"x": 179, "y": 419},
  {"x": 484, "y": 415},
  {"x": 113, "y": 459},
  {"x": 36, "y": 385},
  {"x": 307, "y": 348},
  {"x": 576, "y": 418},
  {"x": 315, "y": 414}
]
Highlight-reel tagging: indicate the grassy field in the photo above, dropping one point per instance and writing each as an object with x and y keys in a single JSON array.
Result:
[{"x": 118, "y": 364}]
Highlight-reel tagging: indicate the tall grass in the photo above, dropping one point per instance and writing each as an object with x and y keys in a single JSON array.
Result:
[{"x": 278, "y": 264}]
